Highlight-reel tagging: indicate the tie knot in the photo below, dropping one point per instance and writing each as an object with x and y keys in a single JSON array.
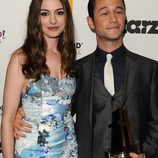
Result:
[{"x": 108, "y": 57}]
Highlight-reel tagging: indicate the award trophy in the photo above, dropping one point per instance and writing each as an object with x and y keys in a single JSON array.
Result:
[{"x": 121, "y": 142}]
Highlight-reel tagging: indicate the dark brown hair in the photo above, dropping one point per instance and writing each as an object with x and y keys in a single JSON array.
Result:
[
  {"x": 91, "y": 7},
  {"x": 35, "y": 46}
]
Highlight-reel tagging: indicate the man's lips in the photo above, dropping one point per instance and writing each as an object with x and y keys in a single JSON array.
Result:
[{"x": 113, "y": 27}]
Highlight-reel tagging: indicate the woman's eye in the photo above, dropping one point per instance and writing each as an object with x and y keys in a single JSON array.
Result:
[
  {"x": 60, "y": 12},
  {"x": 43, "y": 13}
]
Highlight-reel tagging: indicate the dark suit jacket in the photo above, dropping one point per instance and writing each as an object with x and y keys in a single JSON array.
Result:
[{"x": 140, "y": 99}]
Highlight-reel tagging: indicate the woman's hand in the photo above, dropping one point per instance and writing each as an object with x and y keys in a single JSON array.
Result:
[{"x": 21, "y": 126}]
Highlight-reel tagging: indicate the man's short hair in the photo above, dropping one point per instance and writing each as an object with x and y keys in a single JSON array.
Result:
[{"x": 91, "y": 7}]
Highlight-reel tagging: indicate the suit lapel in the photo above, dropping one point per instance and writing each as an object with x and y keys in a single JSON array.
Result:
[
  {"x": 89, "y": 72},
  {"x": 129, "y": 76}
]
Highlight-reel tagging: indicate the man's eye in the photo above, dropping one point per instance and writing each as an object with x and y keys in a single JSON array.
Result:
[
  {"x": 43, "y": 13},
  {"x": 105, "y": 13},
  {"x": 119, "y": 11}
]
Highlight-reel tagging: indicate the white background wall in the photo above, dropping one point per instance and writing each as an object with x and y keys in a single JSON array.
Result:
[{"x": 13, "y": 15}]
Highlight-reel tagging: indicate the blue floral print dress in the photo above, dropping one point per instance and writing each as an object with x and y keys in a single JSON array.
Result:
[{"x": 47, "y": 104}]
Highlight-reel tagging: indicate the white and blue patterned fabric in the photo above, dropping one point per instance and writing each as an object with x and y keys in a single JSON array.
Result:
[{"x": 47, "y": 104}]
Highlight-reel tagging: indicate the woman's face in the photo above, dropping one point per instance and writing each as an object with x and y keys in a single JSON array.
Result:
[{"x": 53, "y": 18}]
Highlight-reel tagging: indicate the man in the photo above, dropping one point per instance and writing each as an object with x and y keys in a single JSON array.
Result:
[{"x": 135, "y": 87}]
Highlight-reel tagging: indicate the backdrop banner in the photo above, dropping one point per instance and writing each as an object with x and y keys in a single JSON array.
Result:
[{"x": 141, "y": 36}]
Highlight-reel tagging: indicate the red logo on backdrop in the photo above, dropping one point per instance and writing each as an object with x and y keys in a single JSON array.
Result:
[{"x": 2, "y": 35}]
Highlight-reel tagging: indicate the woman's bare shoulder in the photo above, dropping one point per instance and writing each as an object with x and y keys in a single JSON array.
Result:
[{"x": 19, "y": 55}]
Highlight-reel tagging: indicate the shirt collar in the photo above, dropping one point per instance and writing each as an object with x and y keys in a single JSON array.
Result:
[{"x": 117, "y": 54}]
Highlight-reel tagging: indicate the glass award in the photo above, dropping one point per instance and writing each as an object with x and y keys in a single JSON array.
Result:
[{"x": 121, "y": 138}]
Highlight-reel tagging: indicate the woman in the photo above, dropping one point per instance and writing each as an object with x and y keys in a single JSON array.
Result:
[{"x": 39, "y": 76}]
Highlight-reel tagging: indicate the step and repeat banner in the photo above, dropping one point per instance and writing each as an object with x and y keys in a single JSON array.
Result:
[{"x": 141, "y": 36}]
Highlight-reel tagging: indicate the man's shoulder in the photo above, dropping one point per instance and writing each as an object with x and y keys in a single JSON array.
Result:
[
  {"x": 84, "y": 59},
  {"x": 139, "y": 58}
]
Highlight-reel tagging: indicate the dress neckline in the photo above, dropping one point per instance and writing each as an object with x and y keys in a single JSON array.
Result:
[{"x": 57, "y": 79}]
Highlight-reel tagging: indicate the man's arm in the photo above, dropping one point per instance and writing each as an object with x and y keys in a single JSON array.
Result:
[
  {"x": 21, "y": 126},
  {"x": 150, "y": 145}
]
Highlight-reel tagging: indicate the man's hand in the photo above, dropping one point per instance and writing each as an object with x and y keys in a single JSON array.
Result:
[
  {"x": 19, "y": 125},
  {"x": 134, "y": 155}
]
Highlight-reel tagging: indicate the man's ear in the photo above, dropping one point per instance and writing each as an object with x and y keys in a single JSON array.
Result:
[
  {"x": 91, "y": 23},
  {"x": 125, "y": 29}
]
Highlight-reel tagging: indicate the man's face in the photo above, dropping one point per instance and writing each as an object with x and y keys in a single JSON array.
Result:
[{"x": 109, "y": 19}]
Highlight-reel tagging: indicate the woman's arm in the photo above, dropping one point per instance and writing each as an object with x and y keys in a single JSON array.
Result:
[
  {"x": 20, "y": 125},
  {"x": 12, "y": 92}
]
